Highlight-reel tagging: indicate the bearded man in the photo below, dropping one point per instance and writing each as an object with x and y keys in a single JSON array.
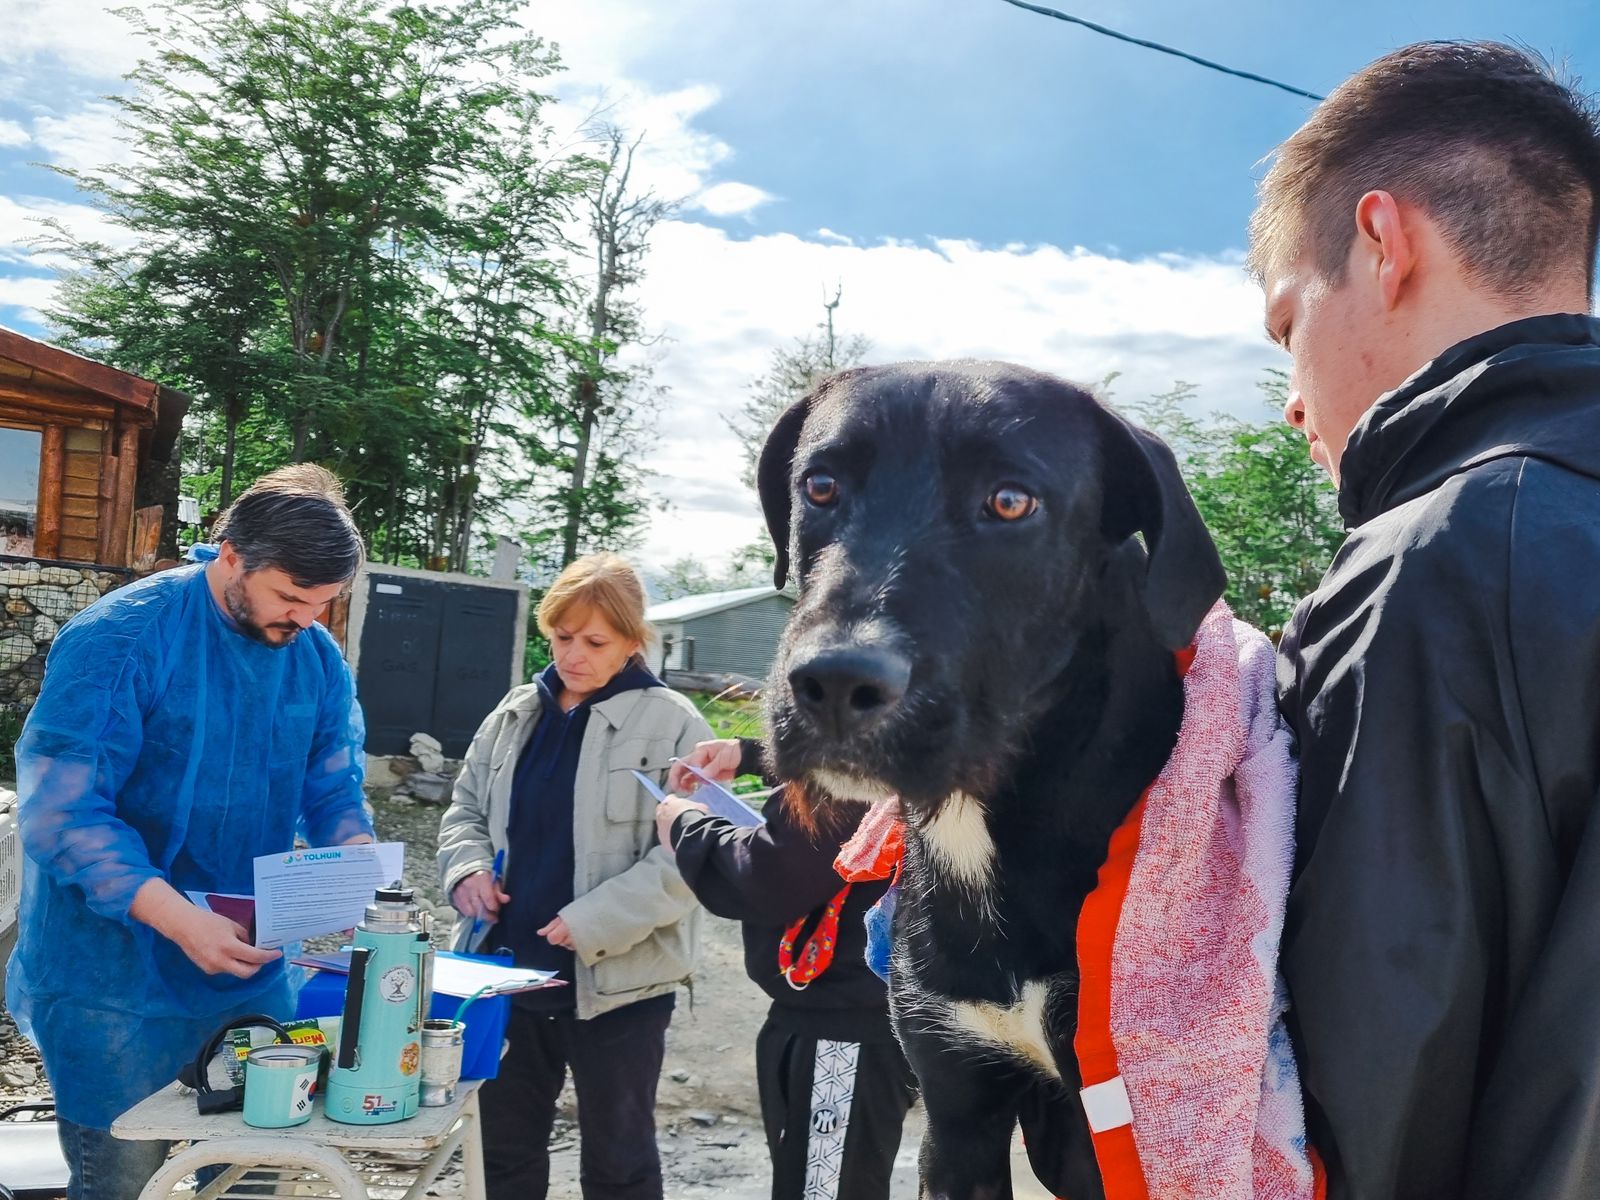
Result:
[{"x": 186, "y": 724}]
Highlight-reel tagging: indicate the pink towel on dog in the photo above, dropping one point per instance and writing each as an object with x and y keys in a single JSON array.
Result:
[{"x": 1196, "y": 1000}]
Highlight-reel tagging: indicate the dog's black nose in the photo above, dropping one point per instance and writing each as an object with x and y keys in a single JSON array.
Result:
[{"x": 849, "y": 689}]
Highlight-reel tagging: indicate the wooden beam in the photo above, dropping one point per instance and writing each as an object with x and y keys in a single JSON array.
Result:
[
  {"x": 128, "y": 390},
  {"x": 107, "y": 490},
  {"x": 14, "y": 414},
  {"x": 106, "y": 493},
  {"x": 58, "y": 402},
  {"x": 47, "y": 527},
  {"x": 122, "y": 506},
  {"x": 146, "y": 537}
]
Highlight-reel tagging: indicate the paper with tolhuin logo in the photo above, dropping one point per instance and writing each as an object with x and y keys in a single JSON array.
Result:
[
  {"x": 718, "y": 799},
  {"x": 326, "y": 889}
]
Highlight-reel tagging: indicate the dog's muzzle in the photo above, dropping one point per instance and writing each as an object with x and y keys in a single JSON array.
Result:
[{"x": 844, "y": 692}]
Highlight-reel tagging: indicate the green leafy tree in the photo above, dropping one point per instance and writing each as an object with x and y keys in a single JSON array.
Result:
[
  {"x": 600, "y": 491},
  {"x": 304, "y": 132},
  {"x": 686, "y": 577},
  {"x": 582, "y": 440},
  {"x": 1270, "y": 509},
  {"x": 188, "y": 315},
  {"x": 346, "y": 225},
  {"x": 491, "y": 333}
]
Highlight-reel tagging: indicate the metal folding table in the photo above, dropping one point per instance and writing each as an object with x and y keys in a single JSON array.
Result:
[{"x": 319, "y": 1158}]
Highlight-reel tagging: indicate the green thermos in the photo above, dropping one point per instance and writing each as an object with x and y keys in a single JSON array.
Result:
[{"x": 377, "y": 1072}]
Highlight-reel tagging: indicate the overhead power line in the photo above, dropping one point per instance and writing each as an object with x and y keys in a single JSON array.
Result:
[{"x": 1194, "y": 58}]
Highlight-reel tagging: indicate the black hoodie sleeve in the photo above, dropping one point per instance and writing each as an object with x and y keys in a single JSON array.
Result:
[
  {"x": 1439, "y": 939},
  {"x": 752, "y": 758},
  {"x": 774, "y": 873}
]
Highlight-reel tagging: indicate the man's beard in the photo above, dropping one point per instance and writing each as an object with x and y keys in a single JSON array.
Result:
[{"x": 239, "y": 609}]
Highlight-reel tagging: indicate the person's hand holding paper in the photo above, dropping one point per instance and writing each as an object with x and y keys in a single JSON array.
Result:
[
  {"x": 667, "y": 813},
  {"x": 217, "y": 944}
]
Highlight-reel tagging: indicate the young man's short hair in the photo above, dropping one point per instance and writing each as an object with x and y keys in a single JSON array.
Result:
[{"x": 1501, "y": 154}]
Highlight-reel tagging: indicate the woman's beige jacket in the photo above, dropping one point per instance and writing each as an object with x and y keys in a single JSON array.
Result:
[{"x": 635, "y": 924}]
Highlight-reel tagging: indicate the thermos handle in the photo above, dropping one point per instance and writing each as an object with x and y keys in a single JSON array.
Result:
[
  {"x": 354, "y": 993},
  {"x": 425, "y": 978}
]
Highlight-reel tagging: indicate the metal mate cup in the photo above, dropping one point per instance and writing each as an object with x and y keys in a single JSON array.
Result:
[
  {"x": 442, "y": 1043},
  {"x": 280, "y": 1083}
]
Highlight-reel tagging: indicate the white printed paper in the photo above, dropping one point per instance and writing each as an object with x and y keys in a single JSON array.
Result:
[
  {"x": 454, "y": 975},
  {"x": 309, "y": 893},
  {"x": 718, "y": 800},
  {"x": 722, "y": 802}
]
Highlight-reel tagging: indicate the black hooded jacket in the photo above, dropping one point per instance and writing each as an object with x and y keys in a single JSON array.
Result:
[
  {"x": 1442, "y": 945},
  {"x": 768, "y": 877}
]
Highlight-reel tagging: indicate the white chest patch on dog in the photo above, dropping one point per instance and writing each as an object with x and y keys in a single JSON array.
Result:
[
  {"x": 1017, "y": 1027},
  {"x": 850, "y": 787},
  {"x": 959, "y": 844}
]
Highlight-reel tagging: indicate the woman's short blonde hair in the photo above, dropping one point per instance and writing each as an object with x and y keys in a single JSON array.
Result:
[{"x": 606, "y": 583}]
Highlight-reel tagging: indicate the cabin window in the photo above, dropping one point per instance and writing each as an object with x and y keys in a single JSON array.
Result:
[{"x": 19, "y": 490}]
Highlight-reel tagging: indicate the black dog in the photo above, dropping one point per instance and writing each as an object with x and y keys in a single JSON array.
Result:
[{"x": 981, "y": 633}]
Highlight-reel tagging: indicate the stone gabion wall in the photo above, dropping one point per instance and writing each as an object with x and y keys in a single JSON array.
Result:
[{"x": 38, "y": 602}]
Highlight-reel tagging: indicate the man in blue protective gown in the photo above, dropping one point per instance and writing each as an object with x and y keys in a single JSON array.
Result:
[{"x": 187, "y": 723}]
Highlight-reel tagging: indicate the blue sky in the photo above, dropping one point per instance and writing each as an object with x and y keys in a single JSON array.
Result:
[
  {"x": 980, "y": 180},
  {"x": 979, "y": 120}
]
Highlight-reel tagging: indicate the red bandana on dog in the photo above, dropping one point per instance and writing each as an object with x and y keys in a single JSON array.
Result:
[{"x": 879, "y": 842}]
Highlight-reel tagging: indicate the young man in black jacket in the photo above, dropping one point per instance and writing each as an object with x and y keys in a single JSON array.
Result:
[
  {"x": 1426, "y": 242},
  {"x": 834, "y": 1085}
]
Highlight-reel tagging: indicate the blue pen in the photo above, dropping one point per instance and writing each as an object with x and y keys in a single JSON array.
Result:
[{"x": 477, "y": 922}]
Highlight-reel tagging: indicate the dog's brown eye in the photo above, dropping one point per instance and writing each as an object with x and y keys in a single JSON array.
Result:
[
  {"x": 1010, "y": 504},
  {"x": 822, "y": 489}
]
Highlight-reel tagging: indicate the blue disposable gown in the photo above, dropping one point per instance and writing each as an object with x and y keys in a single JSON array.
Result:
[{"x": 165, "y": 744}]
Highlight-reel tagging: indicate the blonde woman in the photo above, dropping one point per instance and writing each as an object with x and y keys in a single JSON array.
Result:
[{"x": 584, "y": 890}]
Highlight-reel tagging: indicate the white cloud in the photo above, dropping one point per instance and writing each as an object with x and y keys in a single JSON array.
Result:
[
  {"x": 724, "y": 303},
  {"x": 674, "y": 159},
  {"x": 83, "y": 37},
  {"x": 23, "y": 286},
  {"x": 838, "y": 239},
  {"x": 599, "y": 39},
  {"x": 12, "y": 134},
  {"x": 731, "y": 199},
  {"x": 27, "y": 294},
  {"x": 88, "y": 139},
  {"x": 23, "y": 222}
]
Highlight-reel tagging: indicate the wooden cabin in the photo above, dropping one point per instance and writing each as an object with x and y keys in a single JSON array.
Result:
[{"x": 87, "y": 469}]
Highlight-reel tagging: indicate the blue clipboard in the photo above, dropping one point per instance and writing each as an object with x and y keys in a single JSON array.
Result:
[{"x": 713, "y": 795}]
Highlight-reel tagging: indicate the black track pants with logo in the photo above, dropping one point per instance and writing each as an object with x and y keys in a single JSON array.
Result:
[{"x": 833, "y": 1112}]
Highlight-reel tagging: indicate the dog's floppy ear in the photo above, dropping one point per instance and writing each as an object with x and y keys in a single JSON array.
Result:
[
  {"x": 777, "y": 465},
  {"x": 772, "y": 481},
  {"x": 1144, "y": 493}
]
